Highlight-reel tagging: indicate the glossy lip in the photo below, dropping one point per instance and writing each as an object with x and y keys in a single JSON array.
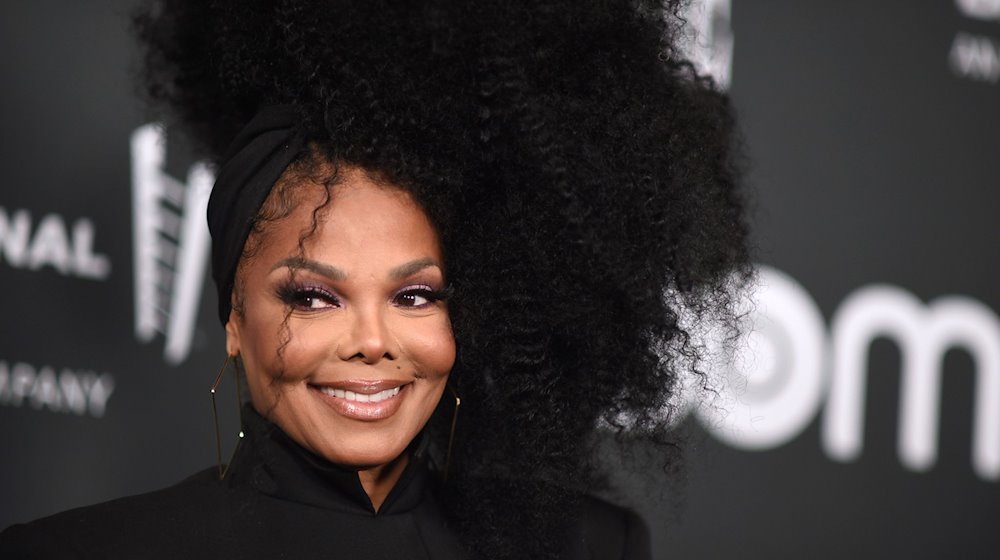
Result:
[{"x": 365, "y": 411}]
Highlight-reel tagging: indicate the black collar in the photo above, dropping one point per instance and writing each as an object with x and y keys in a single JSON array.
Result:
[{"x": 275, "y": 465}]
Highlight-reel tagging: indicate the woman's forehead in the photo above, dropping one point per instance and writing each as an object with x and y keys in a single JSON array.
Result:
[{"x": 355, "y": 219}]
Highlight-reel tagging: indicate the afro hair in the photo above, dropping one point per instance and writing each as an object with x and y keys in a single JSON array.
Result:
[{"x": 583, "y": 178}]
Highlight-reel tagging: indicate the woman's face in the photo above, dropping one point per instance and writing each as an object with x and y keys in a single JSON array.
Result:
[{"x": 361, "y": 363}]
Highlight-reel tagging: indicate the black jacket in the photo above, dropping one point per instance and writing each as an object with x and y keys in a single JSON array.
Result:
[{"x": 279, "y": 501}]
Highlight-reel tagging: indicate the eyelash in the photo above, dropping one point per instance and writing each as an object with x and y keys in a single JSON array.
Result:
[
  {"x": 426, "y": 292},
  {"x": 302, "y": 297}
]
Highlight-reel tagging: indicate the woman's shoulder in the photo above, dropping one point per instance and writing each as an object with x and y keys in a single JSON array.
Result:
[
  {"x": 132, "y": 526},
  {"x": 613, "y": 532}
]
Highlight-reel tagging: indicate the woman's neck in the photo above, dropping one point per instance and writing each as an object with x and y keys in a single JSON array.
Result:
[{"x": 379, "y": 481}]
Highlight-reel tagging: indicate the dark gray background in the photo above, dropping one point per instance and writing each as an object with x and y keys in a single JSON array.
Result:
[{"x": 871, "y": 161}]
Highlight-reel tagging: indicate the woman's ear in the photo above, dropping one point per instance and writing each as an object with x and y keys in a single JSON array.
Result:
[{"x": 233, "y": 334}]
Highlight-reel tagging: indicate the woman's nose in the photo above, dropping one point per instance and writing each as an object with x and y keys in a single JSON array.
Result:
[{"x": 367, "y": 338}]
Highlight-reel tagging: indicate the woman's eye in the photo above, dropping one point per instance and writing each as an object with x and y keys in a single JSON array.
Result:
[
  {"x": 418, "y": 297},
  {"x": 308, "y": 298},
  {"x": 313, "y": 301}
]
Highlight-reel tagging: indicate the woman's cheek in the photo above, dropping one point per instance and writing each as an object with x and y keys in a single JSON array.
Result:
[
  {"x": 301, "y": 357},
  {"x": 438, "y": 350}
]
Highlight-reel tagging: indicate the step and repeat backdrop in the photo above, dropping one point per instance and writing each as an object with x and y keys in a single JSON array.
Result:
[{"x": 863, "y": 420}]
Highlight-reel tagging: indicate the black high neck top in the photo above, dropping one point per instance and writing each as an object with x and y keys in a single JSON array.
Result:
[
  {"x": 280, "y": 501},
  {"x": 269, "y": 461},
  {"x": 277, "y": 501}
]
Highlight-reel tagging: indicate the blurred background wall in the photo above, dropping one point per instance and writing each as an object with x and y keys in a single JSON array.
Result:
[{"x": 864, "y": 420}]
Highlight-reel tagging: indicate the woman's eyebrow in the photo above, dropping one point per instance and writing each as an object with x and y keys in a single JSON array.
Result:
[
  {"x": 334, "y": 273},
  {"x": 412, "y": 267},
  {"x": 296, "y": 263}
]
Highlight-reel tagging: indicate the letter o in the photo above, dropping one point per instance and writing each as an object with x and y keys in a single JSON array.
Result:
[{"x": 773, "y": 387}]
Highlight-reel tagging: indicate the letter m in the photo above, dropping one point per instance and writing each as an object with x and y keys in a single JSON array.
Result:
[{"x": 924, "y": 334}]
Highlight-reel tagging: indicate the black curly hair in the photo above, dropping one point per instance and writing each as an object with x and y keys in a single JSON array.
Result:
[{"x": 583, "y": 179}]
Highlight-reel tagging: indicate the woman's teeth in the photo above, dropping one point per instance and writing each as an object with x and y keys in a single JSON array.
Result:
[{"x": 361, "y": 397}]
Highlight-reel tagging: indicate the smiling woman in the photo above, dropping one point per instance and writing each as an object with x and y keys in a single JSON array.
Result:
[
  {"x": 345, "y": 335},
  {"x": 519, "y": 206}
]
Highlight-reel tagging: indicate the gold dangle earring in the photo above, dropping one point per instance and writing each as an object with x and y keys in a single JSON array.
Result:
[
  {"x": 223, "y": 469},
  {"x": 451, "y": 435}
]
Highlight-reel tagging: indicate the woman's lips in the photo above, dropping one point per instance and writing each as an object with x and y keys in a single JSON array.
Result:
[{"x": 362, "y": 399}]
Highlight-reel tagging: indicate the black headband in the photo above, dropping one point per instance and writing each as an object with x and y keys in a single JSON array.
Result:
[{"x": 258, "y": 156}]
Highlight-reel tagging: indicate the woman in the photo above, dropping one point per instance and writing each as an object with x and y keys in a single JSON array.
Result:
[{"x": 503, "y": 204}]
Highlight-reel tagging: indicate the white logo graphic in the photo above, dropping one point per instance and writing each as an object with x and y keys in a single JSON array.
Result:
[
  {"x": 171, "y": 244},
  {"x": 71, "y": 392},
  {"x": 792, "y": 364},
  {"x": 975, "y": 57},
  {"x": 923, "y": 334},
  {"x": 69, "y": 251},
  {"x": 709, "y": 43},
  {"x": 778, "y": 381},
  {"x": 979, "y": 9}
]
